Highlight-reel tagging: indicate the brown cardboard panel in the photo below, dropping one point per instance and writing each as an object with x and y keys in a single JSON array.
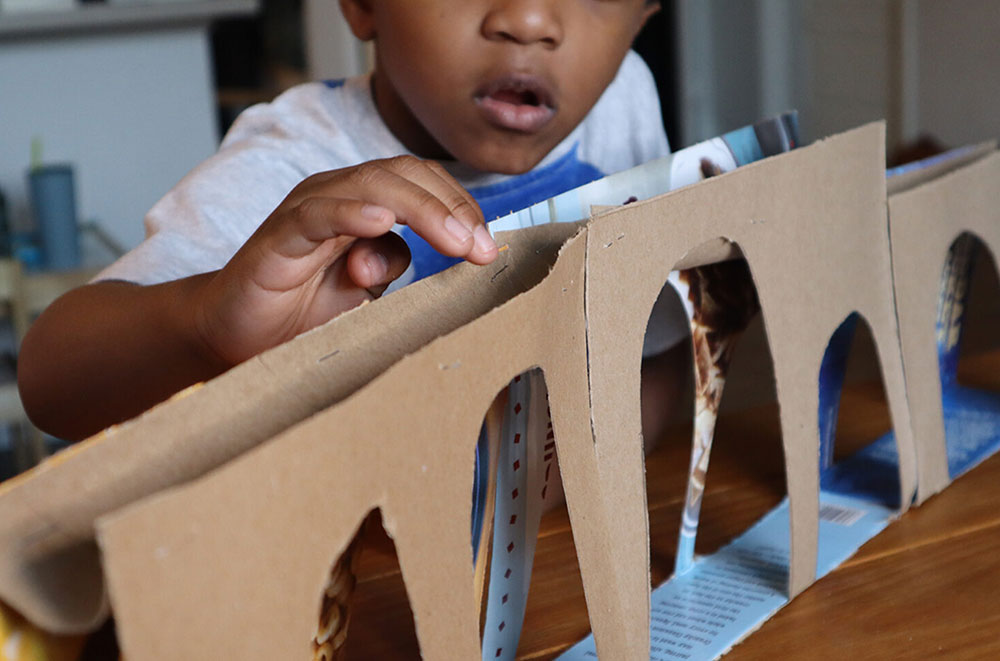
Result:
[
  {"x": 924, "y": 221},
  {"x": 251, "y": 543},
  {"x": 49, "y": 568},
  {"x": 743, "y": 387},
  {"x": 812, "y": 227}
]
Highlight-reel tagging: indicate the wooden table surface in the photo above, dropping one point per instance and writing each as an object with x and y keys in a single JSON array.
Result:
[{"x": 928, "y": 586}]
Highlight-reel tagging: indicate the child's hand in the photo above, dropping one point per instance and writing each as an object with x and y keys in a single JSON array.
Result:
[{"x": 328, "y": 247}]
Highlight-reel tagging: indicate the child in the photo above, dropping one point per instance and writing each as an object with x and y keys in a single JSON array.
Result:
[{"x": 511, "y": 102}]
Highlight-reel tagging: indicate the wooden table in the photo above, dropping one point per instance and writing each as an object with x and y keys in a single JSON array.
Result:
[{"x": 927, "y": 586}]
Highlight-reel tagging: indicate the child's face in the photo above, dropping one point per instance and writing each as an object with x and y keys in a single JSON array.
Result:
[{"x": 494, "y": 84}]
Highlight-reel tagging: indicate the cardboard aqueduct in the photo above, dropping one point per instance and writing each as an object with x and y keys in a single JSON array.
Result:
[{"x": 245, "y": 490}]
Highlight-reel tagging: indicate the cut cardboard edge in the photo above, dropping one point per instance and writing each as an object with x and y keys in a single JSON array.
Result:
[
  {"x": 712, "y": 251},
  {"x": 48, "y": 511}
]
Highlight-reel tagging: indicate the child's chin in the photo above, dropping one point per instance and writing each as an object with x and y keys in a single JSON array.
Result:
[{"x": 504, "y": 160}]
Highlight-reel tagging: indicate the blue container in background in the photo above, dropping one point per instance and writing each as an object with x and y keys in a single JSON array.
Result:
[{"x": 53, "y": 197}]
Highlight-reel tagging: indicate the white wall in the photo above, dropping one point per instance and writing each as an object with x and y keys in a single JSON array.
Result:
[
  {"x": 959, "y": 70},
  {"x": 738, "y": 61},
  {"x": 331, "y": 49},
  {"x": 133, "y": 112},
  {"x": 717, "y": 58},
  {"x": 926, "y": 66},
  {"x": 848, "y": 64}
]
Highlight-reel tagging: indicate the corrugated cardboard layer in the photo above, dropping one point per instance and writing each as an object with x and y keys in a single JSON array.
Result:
[
  {"x": 812, "y": 226},
  {"x": 262, "y": 532},
  {"x": 252, "y": 543},
  {"x": 924, "y": 221},
  {"x": 49, "y": 569}
]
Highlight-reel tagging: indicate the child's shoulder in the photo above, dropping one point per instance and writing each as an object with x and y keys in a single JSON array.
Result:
[{"x": 336, "y": 116}]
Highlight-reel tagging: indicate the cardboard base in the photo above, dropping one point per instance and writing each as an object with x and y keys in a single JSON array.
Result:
[{"x": 728, "y": 595}]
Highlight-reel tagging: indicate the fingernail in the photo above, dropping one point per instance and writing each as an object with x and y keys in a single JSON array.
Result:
[
  {"x": 484, "y": 242},
  {"x": 378, "y": 267},
  {"x": 457, "y": 229},
  {"x": 374, "y": 212}
]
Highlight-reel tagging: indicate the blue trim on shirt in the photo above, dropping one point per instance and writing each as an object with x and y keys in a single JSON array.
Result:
[
  {"x": 514, "y": 194},
  {"x": 334, "y": 84},
  {"x": 536, "y": 186}
]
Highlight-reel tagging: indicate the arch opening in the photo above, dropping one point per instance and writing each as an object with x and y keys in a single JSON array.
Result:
[
  {"x": 968, "y": 356},
  {"x": 859, "y": 465},
  {"x": 858, "y": 456},
  {"x": 516, "y": 508},
  {"x": 365, "y": 609},
  {"x": 711, "y": 575},
  {"x": 525, "y": 556},
  {"x": 718, "y": 305}
]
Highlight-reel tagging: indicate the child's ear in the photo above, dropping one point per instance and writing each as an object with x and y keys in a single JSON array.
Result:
[
  {"x": 360, "y": 17},
  {"x": 648, "y": 11},
  {"x": 651, "y": 9}
]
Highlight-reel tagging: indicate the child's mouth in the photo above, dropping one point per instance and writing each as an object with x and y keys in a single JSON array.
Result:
[{"x": 516, "y": 103}]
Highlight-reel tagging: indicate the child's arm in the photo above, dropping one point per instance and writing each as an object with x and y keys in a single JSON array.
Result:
[{"x": 105, "y": 352}]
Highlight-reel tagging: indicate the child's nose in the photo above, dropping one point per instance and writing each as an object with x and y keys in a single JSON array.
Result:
[{"x": 524, "y": 22}]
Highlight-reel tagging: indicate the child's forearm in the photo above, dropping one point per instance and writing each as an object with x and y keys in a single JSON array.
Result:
[{"x": 106, "y": 352}]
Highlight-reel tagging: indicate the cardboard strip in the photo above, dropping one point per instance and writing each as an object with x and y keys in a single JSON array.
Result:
[{"x": 907, "y": 177}]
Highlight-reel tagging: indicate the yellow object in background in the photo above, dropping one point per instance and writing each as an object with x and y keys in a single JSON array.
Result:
[{"x": 21, "y": 641}]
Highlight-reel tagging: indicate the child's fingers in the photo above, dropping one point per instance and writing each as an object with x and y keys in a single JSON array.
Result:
[
  {"x": 485, "y": 250},
  {"x": 445, "y": 176},
  {"x": 409, "y": 202},
  {"x": 433, "y": 178},
  {"x": 315, "y": 220},
  {"x": 418, "y": 193},
  {"x": 422, "y": 200},
  {"x": 373, "y": 263}
]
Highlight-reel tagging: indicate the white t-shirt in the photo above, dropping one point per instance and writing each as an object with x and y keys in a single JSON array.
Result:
[{"x": 201, "y": 223}]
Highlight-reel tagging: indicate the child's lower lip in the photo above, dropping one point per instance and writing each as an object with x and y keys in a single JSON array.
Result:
[{"x": 522, "y": 117}]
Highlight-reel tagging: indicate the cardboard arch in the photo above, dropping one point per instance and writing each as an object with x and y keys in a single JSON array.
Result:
[
  {"x": 924, "y": 221},
  {"x": 798, "y": 248},
  {"x": 415, "y": 465}
]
